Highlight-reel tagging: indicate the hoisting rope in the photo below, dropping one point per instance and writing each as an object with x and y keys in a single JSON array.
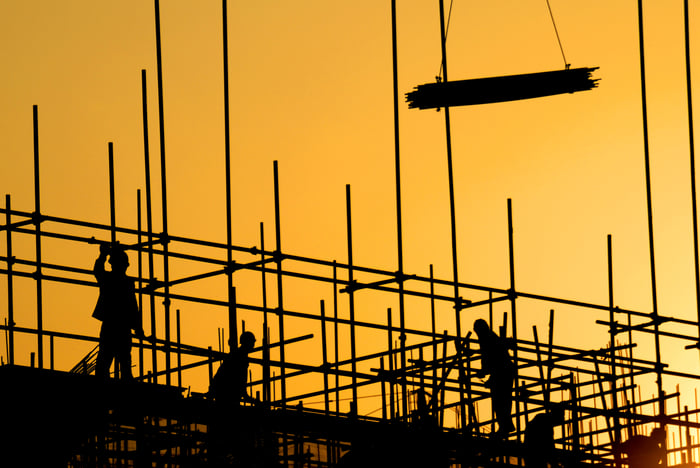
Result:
[
  {"x": 551, "y": 15},
  {"x": 438, "y": 77}
]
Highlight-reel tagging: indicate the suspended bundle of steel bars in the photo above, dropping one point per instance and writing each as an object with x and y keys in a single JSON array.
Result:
[{"x": 501, "y": 88}]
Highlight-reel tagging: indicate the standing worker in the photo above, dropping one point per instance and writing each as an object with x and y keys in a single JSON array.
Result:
[
  {"x": 118, "y": 311},
  {"x": 495, "y": 361}
]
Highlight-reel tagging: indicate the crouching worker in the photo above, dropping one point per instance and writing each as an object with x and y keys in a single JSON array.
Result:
[
  {"x": 233, "y": 435},
  {"x": 645, "y": 451},
  {"x": 229, "y": 385},
  {"x": 118, "y": 311},
  {"x": 539, "y": 438}
]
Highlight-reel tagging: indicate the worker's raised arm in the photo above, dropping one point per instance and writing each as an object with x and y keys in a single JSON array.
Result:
[{"x": 99, "y": 268}]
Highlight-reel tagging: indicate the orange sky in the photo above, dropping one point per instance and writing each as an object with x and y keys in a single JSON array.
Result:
[{"x": 311, "y": 87}]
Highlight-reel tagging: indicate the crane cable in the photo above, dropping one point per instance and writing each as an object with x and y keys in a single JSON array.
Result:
[
  {"x": 438, "y": 77},
  {"x": 554, "y": 24},
  {"x": 551, "y": 15}
]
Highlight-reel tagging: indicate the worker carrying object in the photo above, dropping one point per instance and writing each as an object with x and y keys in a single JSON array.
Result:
[{"x": 118, "y": 311}]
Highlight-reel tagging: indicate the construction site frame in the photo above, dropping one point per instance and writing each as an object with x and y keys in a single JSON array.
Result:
[{"x": 598, "y": 387}]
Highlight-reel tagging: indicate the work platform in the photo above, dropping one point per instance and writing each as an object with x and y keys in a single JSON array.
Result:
[{"x": 76, "y": 420}]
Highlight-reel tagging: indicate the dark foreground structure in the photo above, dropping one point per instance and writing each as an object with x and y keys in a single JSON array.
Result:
[{"x": 380, "y": 391}]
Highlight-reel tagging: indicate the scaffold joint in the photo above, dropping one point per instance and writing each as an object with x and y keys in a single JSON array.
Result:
[
  {"x": 232, "y": 267},
  {"x": 351, "y": 287},
  {"x": 37, "y": 218}
]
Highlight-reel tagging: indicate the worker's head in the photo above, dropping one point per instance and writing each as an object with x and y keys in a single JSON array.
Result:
[
  {"x": 247, "y": 340},
  {"x": 118, "y": 258},
  {"x": 481, "y": 327},
  {"x": 557, "y": 412},
  {"x": 658, "y": 435}
]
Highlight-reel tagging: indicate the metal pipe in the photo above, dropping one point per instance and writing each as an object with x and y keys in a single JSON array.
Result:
[
  {"x": 266, "y": 327},
  {"x": 139, "y": 262},
  {"x": 433, "y": 325},
  {"x": 227, "y": 153},
  {"x": 179, "y": 347},
  {"x": 164, "y": 193},
  {"x": 511, "y": 262},
  {"x": 351, "y": 295},
  {"x": 399, "y": 228},
  {"x": 112, "y": 203},
  {"x": 37, "y": 242},
  {"x": 691, "y": 144},
  {"x": 647, "y": 173},
  {"x": 613, "y": 368},
  {"x": 280, "y": 301},
  {"x": 149, "y": 216},
  {"x": 335, "y": 336},
  {"x": 324, "y": 356},
  {"x": 390, "y": 357},
  {"x": 10, "y": 287},
  {"x": 383, "y": 386},
  {"x": 453, "y": 222},
  {"x": 232, "y": 319}
]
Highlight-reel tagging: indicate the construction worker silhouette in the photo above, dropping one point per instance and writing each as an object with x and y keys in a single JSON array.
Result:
[
  {"x": 118, "y": 311},
  {"x": 229, "y": 385},
  {"x": 645, "y": 451},
  {"x": 232, "y": 430},
  {"x": 496, "y": 362},
  {"x": 539, "y": 438}
]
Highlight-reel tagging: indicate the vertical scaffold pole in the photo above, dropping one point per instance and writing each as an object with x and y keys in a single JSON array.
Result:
[
  {"x": 112, "y": 202},
  {"x": 399, "y": 228},
  {"x": 232, "y": 319},
  {"x": 390, "y": 355},
  {"x": 139, "y": 263},
  {"x": 433, "y": 326},
  {"x": 336, "y": 352},
  {"x": 149, "y": 219},
  {"x": 324, "y": 356},
  {"x": 647, "y": 173},
  {"x": 280, "y": 296},
  {"x": 453, "y": 223},
  {"x": 613, "y": 369},
  {"x": 10, "y": 287},
  {"x": 178, "y": 337},
  {"x": 227, "y": 151},
  {"x": 512, "y": 294},
  {"x": 266, "y": 327},
  {"x": 164, "y": 196},
  {"x": 351, "y": 295},
  {"x": 691, "y": 143},
  {"x": 37, "y": 243}
]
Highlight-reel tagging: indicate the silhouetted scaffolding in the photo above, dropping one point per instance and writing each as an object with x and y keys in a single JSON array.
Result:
[
  {"x": 596, "y": 386},
  {"x": 81, "y": 420}
]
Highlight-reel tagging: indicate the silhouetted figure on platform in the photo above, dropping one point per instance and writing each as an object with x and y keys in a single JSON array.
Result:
[
  {"x": 229, "y": 385},
  {"x": 420, "y": 416},
  {"x": 118, "y": 311},
  {"x": 495, "y": 362},
  {"x": 539, "y": 438},
  {"x": 645, "y": 451},
  {"x": 232, "y": 431}
]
